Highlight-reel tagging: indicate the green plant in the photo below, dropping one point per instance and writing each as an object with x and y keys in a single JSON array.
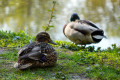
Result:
[
  {"x": 12, "y": 39},
  {"x": 51, "y": 17},
  {"x": 74, "y": 61}
]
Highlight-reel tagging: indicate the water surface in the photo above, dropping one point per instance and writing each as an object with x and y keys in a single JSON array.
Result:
[{"x": 31, "y": 15}]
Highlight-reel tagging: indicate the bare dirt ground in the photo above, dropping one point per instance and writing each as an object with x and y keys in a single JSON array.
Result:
[{"x": 2, "y": 50}]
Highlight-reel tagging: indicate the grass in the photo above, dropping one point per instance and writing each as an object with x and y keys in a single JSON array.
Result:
[
  {"x": 74, "y": 62},
  {"x": 12, "y": 40}
]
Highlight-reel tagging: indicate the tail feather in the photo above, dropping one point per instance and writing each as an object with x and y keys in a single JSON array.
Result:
[{"x": 98, "y": 35}]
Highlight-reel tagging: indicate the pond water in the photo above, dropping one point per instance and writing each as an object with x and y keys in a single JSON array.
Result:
[{"x": 31, "y": 15}]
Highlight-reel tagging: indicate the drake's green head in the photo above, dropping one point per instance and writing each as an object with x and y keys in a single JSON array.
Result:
[
  {"x": 44, "y": 37},
  {"x": 74, "y": 17}
]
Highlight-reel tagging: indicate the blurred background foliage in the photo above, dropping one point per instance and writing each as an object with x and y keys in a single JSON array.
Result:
[{"x": 31, "y": 15}]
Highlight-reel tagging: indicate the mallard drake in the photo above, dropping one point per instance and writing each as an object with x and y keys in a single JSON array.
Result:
[
  {"x": 82, "y": 31},
  {"x": 37, "y": 54}
]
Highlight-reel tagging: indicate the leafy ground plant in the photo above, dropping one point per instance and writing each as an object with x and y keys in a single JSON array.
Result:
[
  {"x": 12, "y": 39},
  {"x": 74, "y": 62}
]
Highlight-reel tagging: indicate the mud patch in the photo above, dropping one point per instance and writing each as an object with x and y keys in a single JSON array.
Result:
[
  {"x": 78, "y": 77},
  {"x": 2, "y": 50}
]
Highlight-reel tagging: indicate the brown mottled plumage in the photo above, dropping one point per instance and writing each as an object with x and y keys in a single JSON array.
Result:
[{"x": 37, "y": 54}]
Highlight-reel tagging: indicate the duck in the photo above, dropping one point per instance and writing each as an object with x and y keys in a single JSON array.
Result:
[
  {"x": 82, "y": 32},
  {"x": 37, "y": 54}
]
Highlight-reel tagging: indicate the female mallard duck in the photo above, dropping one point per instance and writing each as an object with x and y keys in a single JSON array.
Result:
[
  {"x": 82, "y": 31},
  {"x": 37, "y": 54}
]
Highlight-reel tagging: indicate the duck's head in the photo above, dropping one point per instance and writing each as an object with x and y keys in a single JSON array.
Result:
[
  {"x": 44, "y": 37},
  {"x": 74, "y": 17}
]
